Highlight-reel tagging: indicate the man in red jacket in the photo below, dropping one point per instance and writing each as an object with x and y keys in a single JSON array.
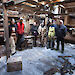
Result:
[{"x": 20, "y": 34}]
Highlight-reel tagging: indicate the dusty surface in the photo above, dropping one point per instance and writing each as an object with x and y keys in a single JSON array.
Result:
[{"x": 38, "y": 60}]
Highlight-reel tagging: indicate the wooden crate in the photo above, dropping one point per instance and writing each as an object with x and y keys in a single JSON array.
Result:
[{"x": 14, "y": 64}]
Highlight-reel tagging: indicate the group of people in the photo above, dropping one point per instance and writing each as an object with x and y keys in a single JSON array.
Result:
[
  {"x": 48, "y": 34},
  {"x": 18, "y": 29},
  {"x": 56, "y": 31}
]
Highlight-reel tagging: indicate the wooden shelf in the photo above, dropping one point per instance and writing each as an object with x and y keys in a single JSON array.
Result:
[
  {"x": 70, "y": 25},
  {"x": 1, "y": 33},
  {"x": 10, "y": 15},
  {"x": 1, "y": 19},
  {"x": 13, "y": 16},
  {"x": 1, "y": 29},
  {"x": 1, "y": 24}
]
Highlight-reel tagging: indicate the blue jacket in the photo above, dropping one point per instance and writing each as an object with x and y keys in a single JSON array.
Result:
[
  {"x": 60, "y": 31},
  {"x": 34, "y": 30}
]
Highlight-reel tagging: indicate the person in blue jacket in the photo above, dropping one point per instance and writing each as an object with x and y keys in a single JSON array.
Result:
[
  {"x": 34, "y": 32},
  {"x": 60, "y": 32}
]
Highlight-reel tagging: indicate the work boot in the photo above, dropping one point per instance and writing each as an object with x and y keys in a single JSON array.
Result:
[
  {"x": 52, "y": 48},
  {"x": 19, "y": 49},
  {"x": 13, "y": 53},
  {"x": 56, "y": 49},
  {"x": 62, "y": 51}
]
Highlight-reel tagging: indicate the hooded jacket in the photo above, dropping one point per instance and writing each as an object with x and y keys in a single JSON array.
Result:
[
  {"x": 60, "y": 31},
  {"x": 34, "y": 30}
]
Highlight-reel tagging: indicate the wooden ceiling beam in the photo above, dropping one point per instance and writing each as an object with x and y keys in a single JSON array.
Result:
[
  {"x": 62, "y": 3},
  {"x": 42, "y": 12},
  {"x": 27, "y": 7},
  {"x": 31, "y": 2},
  {"x": 20, "y": 6},
  {"x": 24, "y": 6},
  {"x": 27, "y": 12},
  {"x": 39, "y": 6},
  {"x": 34, "y": 2},
  {"x": 46, "y": 12}
]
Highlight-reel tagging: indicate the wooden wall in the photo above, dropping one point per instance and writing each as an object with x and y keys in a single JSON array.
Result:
[{"x": 72, "y": 21}]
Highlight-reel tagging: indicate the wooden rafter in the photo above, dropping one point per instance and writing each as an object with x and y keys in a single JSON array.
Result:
[
  {"x": 25, "y": 7},
  {"x": 35, "y": 3},
  {"x": 31, "y": 5},
  {"x": 27, "y": 12},
  {"x": 5, "y": 22},
  {"x": 38, "y": 5}
]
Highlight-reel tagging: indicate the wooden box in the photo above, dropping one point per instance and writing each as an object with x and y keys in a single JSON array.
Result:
[{"x": 14, "y": 64}]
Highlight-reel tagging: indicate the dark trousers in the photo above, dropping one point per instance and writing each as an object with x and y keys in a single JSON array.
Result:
[
  {"x": 62, "y": 43},
  {"x": 50, "y": 43},
  {"x": 34, "y": 41},
  {"x": 20, "y": 39},
  {"x": 42, "y": 41}
]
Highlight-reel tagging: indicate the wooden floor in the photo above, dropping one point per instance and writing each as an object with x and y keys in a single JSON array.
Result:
[{"x": 38, "y": 60}]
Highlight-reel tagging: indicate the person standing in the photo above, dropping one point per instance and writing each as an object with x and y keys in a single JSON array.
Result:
[
  {"x": 47, "y": 30},
  {"x": 34, "y": 32},
  {"x": 12, "y": 28},
  {"x": 20, "y": 34},
  {"x": 42, "y": 33},
  {"x": 51, "y": 35},
  {"x": 61, "y": 31}
]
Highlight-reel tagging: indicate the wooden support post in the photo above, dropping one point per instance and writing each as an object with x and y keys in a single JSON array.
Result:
[
  {"x": 6, "y": 30},
  {"x": 46, "y": 19},
  {"x": 66, "y": 18}
]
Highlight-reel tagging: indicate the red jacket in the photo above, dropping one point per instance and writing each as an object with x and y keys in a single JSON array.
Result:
[{"x": 20, "y": 28}]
